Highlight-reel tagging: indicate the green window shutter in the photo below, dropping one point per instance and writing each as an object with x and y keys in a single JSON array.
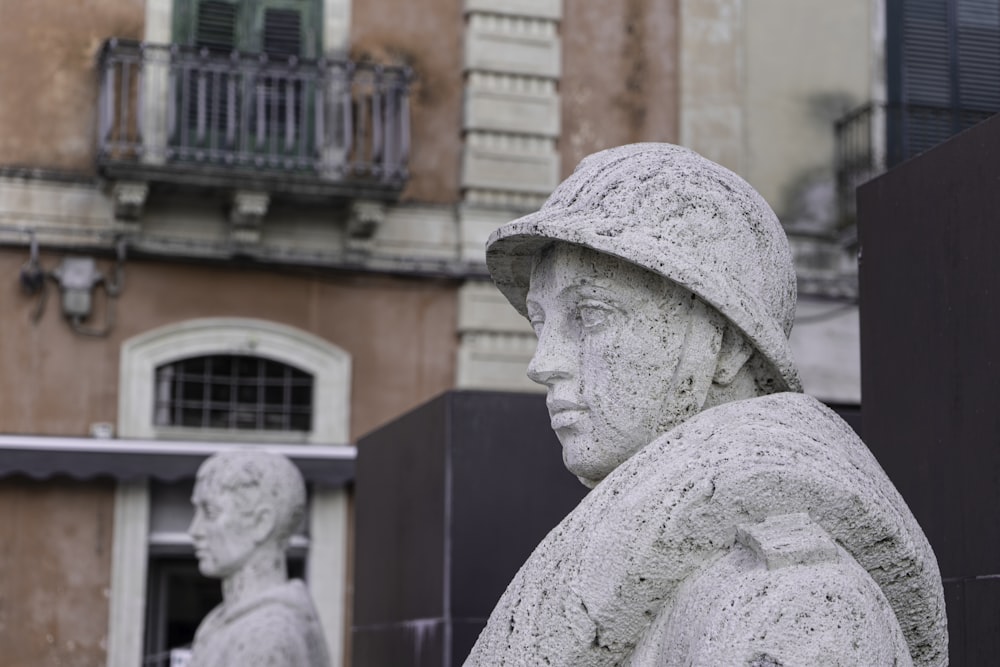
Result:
[
  {"x": 286, "y": 28},
  {"x": 215, "y": 26},
  {"x": 282, "y": 32},
  {"x": 268, "y": 108},
  {"x": 280, "y": 28}
]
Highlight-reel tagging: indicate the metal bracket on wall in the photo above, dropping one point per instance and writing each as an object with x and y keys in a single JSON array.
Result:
[{"x": 78, "y": 278}]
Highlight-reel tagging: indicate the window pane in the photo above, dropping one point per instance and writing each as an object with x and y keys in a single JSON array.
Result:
[
  {"x": 302, "y": 396},
  {"x": 233, "y": 392},
  {"x": 301, "y": 422},
  {"x": 220, "y": 393},
  {"x": 247, "y": 394}
]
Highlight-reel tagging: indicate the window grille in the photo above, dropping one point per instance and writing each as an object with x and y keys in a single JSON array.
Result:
[{"x": 233, "y": 392}]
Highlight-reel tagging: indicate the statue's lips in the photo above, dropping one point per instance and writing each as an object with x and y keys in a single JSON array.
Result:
[
  {"x": 564, "y": 414},
  {"x": 566, "y": 418}
]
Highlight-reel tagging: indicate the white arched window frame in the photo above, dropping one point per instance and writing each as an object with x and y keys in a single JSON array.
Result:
[{"x": 330, "y": 367}]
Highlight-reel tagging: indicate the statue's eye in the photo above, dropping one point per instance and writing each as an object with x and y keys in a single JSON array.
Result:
[
  {"x": 536, "y": 324},
  {"x": 536, "y": 317},
  {"x": 594, "y": 314}
]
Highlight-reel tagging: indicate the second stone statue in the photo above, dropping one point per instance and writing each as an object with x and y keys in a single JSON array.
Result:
[{"x": 246, "y": 506}]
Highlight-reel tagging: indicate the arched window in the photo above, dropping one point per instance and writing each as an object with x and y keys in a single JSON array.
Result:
[
  {"x": 229, "y": 380},
  {"x": 233, "y": 391}
]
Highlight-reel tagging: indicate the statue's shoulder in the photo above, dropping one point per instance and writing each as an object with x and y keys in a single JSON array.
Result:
[
  {"x": 785, "y": 594},
  {"x": 279, "y": 627},
  {"x": 753, "y": 434},
  {"x": 781, "y": 413}
]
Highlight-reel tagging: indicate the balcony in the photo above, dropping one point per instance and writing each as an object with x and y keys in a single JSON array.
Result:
[
  {"x": 306, "y": 128},
  {"x": 878, "y": 136}
]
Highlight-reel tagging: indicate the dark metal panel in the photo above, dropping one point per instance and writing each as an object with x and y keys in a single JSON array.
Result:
[
  {"x": 399, "y": 520},
  {"x": 980, "y": 640},
  {"x": 451, "y": 499},
  {"x": 930, "y": 322},
  {"x": 418, "y": 644},
  {"x": 954, "y": 598},
  {"x": 510, "y": 489},
  {"x": 464, "y": 634}
]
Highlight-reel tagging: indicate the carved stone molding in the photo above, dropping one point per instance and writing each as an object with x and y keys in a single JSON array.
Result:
[
  {"x": 246, "y": 215},
  {"x": 363, "y": 221},
  {"x": 129, "y": 199}
]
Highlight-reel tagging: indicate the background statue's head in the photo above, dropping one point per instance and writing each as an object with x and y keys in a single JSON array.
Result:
[
  {"x": 659, "y": 283},
  {"x": 244, "y": 501}
]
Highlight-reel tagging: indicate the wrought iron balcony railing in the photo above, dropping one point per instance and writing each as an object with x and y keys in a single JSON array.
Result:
[
  {"x": 878, "y": 136},
  {"x": 316, "y": 126}
]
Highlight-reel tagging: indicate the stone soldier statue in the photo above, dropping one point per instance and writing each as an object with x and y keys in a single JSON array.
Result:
[
  {"x": 732, "y": 520},
  {"x": 247, "y": 503}
]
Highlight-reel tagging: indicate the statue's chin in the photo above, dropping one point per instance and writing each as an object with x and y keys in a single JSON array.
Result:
[
  {"x": 207, "y": 570},
  {"x": 589, "y": 472},
  {"x": 592, "y": 461}
]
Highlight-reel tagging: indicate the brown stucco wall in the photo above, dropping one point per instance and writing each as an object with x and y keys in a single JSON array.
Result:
[
  {"x": 426, "y": 35},
  {"x": 399, "y": 332},
  {"x": 620, "y": 75},
  {"x": 55, "y": 568},
  {"x": 48, "y": 49}
]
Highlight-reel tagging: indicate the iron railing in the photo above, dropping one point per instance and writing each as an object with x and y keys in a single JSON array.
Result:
[
  {"x": 181, "y": 110},
  {"x": 878, "y": 136}
]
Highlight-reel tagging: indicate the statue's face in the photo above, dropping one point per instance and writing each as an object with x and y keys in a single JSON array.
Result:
[
  {"x": 221, "y": 532},
  {"x": 611, "y": 337}
]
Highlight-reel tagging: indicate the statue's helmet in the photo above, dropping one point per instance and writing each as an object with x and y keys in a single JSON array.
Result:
[{"x": 673, "y": 212}]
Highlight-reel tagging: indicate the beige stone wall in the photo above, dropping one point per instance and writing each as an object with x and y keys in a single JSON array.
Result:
[
  {"x": 620, "y": 75},
  {"x": 55, "y": 564},
  {"x": 426, "y": 35},
  {"x": 762, "y": 82},
  {"x": 399, "y": 332},
  {"x": 712, "y": 62},
  {"x": 808, "y": 62},
  {"x": 49, "y": 81}
]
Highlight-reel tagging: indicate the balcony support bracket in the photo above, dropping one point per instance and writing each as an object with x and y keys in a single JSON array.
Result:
[
  {"x": 365, "y": 219},
  {"x": 363, "y": 222},
  {"x": 246, "y": 215},
  {"x": 129, "y": 198}
]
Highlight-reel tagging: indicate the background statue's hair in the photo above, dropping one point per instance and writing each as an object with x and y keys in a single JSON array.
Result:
[{"x": 256, "y": 477}]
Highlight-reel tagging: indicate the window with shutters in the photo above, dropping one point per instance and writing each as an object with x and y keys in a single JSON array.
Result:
[
  {"x": 244, "y": 89},
  {"x": 943, "y": 59},
  {"x": 240, "y": 80}
]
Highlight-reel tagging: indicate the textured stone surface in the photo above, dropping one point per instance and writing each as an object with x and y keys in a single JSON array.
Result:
[
  {"x": 669, "y": 210},
  {"x": 731, "y": 522},
  {"x": 247, "y": 504}
]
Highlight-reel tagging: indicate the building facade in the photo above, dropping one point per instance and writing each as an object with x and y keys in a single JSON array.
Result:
[{"x": 262, "y": 222}]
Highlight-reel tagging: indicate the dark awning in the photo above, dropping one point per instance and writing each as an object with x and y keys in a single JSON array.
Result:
[{"x": 167, "y": 460}]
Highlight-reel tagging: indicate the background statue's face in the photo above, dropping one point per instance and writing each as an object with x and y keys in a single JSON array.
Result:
[
  {"x": 611, "y": 338},
  {"x": 221, "y": 531}
]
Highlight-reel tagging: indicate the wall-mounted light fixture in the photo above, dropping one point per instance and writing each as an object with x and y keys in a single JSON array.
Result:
[{"x": 78, "y": 278}]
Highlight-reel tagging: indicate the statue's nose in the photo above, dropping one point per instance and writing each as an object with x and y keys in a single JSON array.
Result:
[{"x": 554, "y": 356}]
